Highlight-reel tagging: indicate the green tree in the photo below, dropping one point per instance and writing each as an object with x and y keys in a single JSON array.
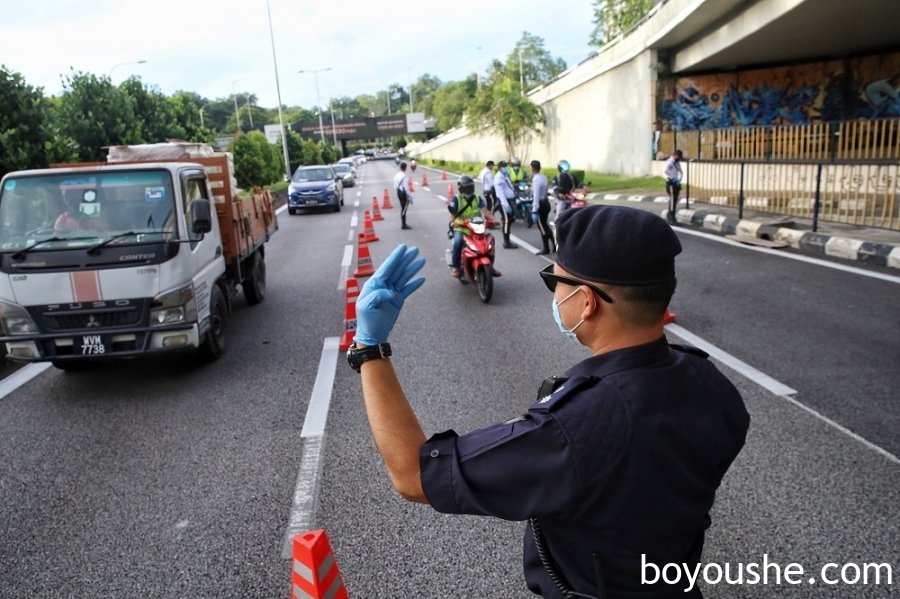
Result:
[
  {"x": 23, "y": 127},
  {"x": 154, "y": 120},
  {"x": 96, "y": 114},
  {"x": 503, "y": 109},
  {"x": 256, "y": 161},
  {"x": 451, "y": 101},
  {"x": 186, "y": 108},
  {"x": 613, "y": 17},
  {"x": 537, "y": 66}
]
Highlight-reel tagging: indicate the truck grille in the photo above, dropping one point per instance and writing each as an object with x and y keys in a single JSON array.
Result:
[{"x": 79, "y": 317}]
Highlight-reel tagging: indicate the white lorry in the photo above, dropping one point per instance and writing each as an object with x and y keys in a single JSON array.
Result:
[{"x": 141, "y": 254}]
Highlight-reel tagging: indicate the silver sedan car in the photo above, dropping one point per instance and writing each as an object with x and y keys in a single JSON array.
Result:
[{"x": 347, "y": 172}]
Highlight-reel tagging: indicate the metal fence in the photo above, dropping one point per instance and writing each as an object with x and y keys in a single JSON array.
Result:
[
  {"x": 857, "y": 193},
  {"x": 869, "y": 140}
]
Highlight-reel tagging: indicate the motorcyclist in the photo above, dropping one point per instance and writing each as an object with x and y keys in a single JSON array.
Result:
[
  {"x": 463, "y": 206},
  {"x": 563, "y": 184},
  {"x": 412, "y": 165},
  {"x": 516, "y": 172}
]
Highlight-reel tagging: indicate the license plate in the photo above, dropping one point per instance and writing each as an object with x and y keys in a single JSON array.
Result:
[
  {"x": 91, "y": 345},
  {"x": 312, "y": 202}
]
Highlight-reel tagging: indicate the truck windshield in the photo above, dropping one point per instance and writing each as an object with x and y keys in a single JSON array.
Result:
[{"x": 83, "y": 209}]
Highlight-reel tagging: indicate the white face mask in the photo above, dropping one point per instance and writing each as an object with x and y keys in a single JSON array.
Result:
[{"x": 554, "y": 305}]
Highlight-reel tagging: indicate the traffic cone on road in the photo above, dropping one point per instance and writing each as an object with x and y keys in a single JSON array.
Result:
[
  {"x": 376, "y": 213},
  {"x": 424, "y": 180},
  {"x": 668, "y": 317},
  {"x": 349, "y": 314},
  {"x": 412, "y": 185},
  {"x": 364, "y": 266},
  {"x": 315, "y": 574},
  {"x": 449, "y": 192},
  {"x": 386, "y": 204},
  {"x": 369, "y": 228},
  {"x": 443, "y": 175}
]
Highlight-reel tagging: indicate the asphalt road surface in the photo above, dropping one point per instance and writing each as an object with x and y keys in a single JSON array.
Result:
[{"x": 171, "y": 478}]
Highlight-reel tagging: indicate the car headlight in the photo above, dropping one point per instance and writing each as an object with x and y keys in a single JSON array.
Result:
[
  {"x": 174, "y": 307},
  {"x": 15, "y": 320},
  {"x": 331, "y": 187}
]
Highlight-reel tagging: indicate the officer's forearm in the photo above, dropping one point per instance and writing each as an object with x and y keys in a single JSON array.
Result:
[{"x": 397, "y": 432}]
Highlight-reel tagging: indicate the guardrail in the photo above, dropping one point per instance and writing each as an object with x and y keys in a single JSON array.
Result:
[
  {"x": 856, "y": 193},
  {"x": 868, "y": 140}
]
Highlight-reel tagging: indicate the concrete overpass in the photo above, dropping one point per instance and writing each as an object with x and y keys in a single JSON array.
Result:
[{"x": 601, "y": 113}]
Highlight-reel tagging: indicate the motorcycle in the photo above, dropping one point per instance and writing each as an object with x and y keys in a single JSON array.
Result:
[
  {"x": 477, "y": 258},
  {"x": 522, "y": 204}
]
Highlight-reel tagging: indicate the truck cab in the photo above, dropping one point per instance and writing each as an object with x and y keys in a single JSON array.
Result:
[{"x": 119, "y": 260}]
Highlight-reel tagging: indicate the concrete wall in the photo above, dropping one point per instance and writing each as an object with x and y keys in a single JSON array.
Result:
[{"x": 600, "y": 113}]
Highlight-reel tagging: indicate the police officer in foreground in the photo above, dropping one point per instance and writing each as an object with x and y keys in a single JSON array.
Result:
[{"x": 614, "y": 466}]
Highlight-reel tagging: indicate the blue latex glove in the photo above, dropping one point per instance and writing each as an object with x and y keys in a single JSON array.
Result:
[{"x": 381, "y": 298}]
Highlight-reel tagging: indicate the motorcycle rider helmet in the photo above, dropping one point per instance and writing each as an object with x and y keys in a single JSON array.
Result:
[
  {"x": 516, "y": 162},
  {"x": 563, "y": 166},
  {"x": 466, "y": 186}
]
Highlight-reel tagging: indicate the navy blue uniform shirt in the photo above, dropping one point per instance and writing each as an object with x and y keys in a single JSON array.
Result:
[{"x": 621, "y": 461}]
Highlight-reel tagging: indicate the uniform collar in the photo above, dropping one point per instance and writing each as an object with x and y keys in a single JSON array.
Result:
[{"x": 621, "y": 359}]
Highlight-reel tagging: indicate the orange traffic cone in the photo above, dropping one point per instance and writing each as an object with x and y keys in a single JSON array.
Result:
[
  {"x": 349, "y": 314},
  {"x": 315, "y": 574},
  {"x": 449, "y": 192},
  {"x": 369, "y": 228},
  {"x": 376, "y": 213},
  {"x": 386, "y": 204},
  {"x": 424, "y": 180},
  {"x": 412, "y": 185},
  {"x": 668, "y": 317},
  {"x": 443, "y": 175},
  {"x": 364, "y": 267}
]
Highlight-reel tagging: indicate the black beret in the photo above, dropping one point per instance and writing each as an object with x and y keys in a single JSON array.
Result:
[
  {"x": 502, "y": 163},
  {"x": 617, "y": 245}
]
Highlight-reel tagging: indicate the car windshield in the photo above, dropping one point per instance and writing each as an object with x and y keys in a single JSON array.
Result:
[
  {"x": 313, "y": 174},
  {"x": 77, "y": 209},
  {"x": 342, "y": 168}
]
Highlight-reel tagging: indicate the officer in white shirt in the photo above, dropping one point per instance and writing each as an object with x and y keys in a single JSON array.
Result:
[
  {"x": 672, "y": 174},
  {"x": 486, "y": 176},
  {"x": 404, "y": 193},
  {"x": 505, "y": 194}
]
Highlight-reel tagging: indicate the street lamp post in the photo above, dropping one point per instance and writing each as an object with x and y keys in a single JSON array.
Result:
[
  {"x": 284, "y": 144},
  {"x": 122, "y": 64},
  {"x": 237, "y": 114},
  {"x": 333, "y": 128},
  {"x": 315, "y": 73}
]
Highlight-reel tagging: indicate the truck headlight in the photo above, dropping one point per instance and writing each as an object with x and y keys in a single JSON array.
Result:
[
  {"x": 174, "y": 307},
  {"x": 15, "y": 320}
]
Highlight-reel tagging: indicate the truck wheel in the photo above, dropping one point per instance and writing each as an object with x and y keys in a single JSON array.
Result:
[
  {"x": 254, "y": 285},
  {"x": 214, "y": 345}
]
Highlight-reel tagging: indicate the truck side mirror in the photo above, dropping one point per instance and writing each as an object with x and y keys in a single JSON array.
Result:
[{"x": 201, "y": 216}]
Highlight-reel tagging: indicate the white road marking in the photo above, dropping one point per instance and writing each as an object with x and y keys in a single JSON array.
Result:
[
  {"x": 313, "y": 440},
  {"x": 21, "y": 376},
  {"x": 776, "y": 387},
  {"x": 783, "y": 254},
  {"x": 345, "y": 265}
]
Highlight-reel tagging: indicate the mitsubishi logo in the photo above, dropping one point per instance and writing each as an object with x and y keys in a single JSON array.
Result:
[{"x": 92, "y": 322}]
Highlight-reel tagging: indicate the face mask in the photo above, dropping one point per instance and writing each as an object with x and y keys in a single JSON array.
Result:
[{"x": 554, "y": 305}]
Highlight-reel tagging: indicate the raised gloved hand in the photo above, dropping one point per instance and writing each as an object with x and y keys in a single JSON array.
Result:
[{"x": 382, "y": 297}]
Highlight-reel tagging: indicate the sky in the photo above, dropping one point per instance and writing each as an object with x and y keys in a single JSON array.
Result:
[{"x": 217, "y": 47}]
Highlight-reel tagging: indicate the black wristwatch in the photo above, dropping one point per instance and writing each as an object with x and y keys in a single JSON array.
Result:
[{"x": 356, "y": 356}]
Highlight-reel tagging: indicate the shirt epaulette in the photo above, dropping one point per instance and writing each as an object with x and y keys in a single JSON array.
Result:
[
  {"x": 569, "y": 388},
  {"x": 690, "y": 349}
]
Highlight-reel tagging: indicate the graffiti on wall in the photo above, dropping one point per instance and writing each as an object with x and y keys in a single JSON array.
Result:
[{"x": 860, "y": 88}]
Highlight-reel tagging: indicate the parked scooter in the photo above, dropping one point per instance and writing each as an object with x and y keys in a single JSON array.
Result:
[{"x": 477, "y": 257}]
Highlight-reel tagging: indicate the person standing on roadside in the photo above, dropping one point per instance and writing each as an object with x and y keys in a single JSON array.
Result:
[
  {"x": 505, "y": 195},
  {"x": 540, "y": 206},
  {"x": 486, "y": 176},
  {"x": 615, "y": 467},
  {"x": 404, "y": 193},
  {"x": 673, "y": 176}
]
